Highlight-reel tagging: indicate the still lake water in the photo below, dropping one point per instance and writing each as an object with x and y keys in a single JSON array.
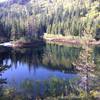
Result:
[{"x": 50, "y": 70}]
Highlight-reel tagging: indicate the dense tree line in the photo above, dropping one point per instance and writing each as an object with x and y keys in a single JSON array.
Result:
[{"x": 35, "y": 18}]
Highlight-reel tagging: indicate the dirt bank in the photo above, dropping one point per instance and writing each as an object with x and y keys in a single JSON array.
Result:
[{"x": 73, "y": 41}]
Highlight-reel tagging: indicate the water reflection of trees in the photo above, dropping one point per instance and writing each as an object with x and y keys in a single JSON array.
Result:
[
  {"x": 50, "y": 56},
  {"x": 97, "y": 56},
  {"x": 53, "y": 87},
  {"x": 86, "y": 66},
  {"x": 60, "y": 57},
  {"x": 2, "y": 80},
  {"x": 3, "y": 67},
  {"x": 30, "y": 56}
]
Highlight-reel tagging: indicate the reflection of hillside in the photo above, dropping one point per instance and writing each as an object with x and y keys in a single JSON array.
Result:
[
  {"x": 86, "y": 66},
  {"x": 29, "y": 56},
  {"x": 97, "y": 70},
  {"x": 97, "y": 56},
  {"x": 52, "y": 87},
  {"x": 2, "y": 80},
  {"x": 60, "y": 56},
  {"x": 52, "y": 56}
]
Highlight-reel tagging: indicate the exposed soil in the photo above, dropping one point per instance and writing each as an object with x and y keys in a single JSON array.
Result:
[
  {"x": 53, "y": 40},
  {"x": 73, "y": 41}
]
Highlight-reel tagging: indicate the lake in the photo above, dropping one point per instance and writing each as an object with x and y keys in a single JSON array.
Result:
[{"x": 49, "y": 71}]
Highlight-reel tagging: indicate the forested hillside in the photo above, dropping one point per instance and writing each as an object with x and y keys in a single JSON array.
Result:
[{"x": 33, "y": 18}]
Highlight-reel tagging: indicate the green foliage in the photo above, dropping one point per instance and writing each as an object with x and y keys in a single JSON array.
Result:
[{"x": 36, "y": 18}]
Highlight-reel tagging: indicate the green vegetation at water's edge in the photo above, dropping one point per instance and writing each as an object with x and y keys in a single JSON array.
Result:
[{"x": 34, "y": 18}]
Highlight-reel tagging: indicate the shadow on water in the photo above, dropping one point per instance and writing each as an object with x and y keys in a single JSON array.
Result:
[{"x": 49, "y": 71}]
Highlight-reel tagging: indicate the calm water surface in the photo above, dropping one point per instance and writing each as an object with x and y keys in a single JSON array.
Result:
[{"x": 50, "y": 70}]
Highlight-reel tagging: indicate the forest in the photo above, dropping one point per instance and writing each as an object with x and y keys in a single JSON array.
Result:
[
  {"x": 32, "y": 19},
  {"x": 50, "y": 50}
]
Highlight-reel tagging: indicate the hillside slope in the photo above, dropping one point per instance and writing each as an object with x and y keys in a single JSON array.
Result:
[{"x": 33, "y": 18}]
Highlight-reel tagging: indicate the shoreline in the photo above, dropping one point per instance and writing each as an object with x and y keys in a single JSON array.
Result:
[
  {"x": 74, "y": 40},
  {"x": 21, "y": 44},
  {"x": 56, "y": 40}
]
